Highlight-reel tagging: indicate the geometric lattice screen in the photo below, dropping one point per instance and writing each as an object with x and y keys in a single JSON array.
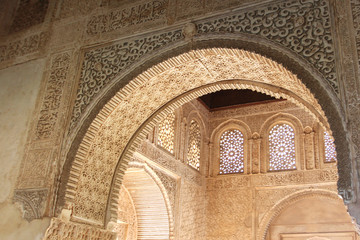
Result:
[
  {"x": 232, "y": 152},
  {"x": 330, "y": 151},
  {"x": 194, "y": 142},
  {"x": 166, "y": 136},
  {"x": 282, "y": 148}
]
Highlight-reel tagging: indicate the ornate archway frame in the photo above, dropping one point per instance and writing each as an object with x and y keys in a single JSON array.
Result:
[
  {"x": 288, "y": 201},
  {"x": 258, "y": 73}
]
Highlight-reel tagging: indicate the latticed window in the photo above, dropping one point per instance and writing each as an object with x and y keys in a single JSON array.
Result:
[
  {"x": 166, "y": 135},
  {"x": 193, "y": 152},
  {"x": 231, "y": 152},
  {"x": 282, "y": 148},
  {"x": 330, "y": 152}
]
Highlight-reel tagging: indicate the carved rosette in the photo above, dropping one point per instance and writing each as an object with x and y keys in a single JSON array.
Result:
[{"x": 32, "y": 202}]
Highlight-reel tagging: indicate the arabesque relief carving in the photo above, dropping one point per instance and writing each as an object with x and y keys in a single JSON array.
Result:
[
  {"x": 32, "y": 202},
  {"x": 34, "y": 168},
  {"x": 49, "y": 112},
  {"x": 125, "y": 17},
  {"x": 60, "y": 230},
  {"x": 101, "y": 65},
  {"x": 302, "y": 26},
  {"x": 304, "y": 29},
  {"x": 21, "y": 47}
]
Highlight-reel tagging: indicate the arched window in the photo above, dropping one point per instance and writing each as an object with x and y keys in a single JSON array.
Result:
[
  {"x": 232, "y": 152},
  {"x": 194, "y": 142},
  {"x": 282, "y": 148},
  {"x": 330, "y": 152},
  {"x": 166, "y": 137}
]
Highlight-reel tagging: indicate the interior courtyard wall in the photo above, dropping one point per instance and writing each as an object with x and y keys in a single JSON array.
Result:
[
  {"x": 237, "y": 203},
  {"x": 70, "y": 25}
]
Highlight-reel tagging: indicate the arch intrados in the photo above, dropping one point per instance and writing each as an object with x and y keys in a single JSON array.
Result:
[{"x": 244, "y": 84}]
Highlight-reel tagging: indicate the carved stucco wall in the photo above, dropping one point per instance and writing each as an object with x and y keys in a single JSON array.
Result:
[
  {"x": 98, "y": 72},
  {"x": 243, "y": 67},
  {"x": 84, "y": 29}
]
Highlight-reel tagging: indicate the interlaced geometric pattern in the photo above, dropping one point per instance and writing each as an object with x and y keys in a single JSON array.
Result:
[
  {"x": 330, "y": 152},
  {"x": 166, "y": 135},
  {"x": 282, "y": 148},
  {"x": 231, "y": 152},
  {"x": 193, "y": 153}
]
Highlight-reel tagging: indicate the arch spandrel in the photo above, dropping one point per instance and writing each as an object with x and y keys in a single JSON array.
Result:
[{"x": 182, "y": 78}]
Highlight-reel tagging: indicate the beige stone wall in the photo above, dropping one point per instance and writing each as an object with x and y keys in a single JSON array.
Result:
[{"x": 18, "y": 94}]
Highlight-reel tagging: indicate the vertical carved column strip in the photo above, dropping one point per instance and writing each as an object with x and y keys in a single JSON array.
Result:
[
  {"x": 255, "y": 153},
  {"x": 309, "y": 148},
  {"x": 349, "y": 171},
  {"x": 40, "y": 163}
]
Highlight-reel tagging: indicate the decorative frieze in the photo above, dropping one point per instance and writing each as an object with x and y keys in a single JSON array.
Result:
[
  {"x": 125, "y": 17},
  {"x": 59, "y": 230},
  {"x": 32, "y": 202},
  {"x": 21, "y": 47},
  {"x": 49, "y": 112},
  {"x": 303, "y": 27}
]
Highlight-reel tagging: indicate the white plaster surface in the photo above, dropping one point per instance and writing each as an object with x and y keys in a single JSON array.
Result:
[{"x": 19, "y": 87}]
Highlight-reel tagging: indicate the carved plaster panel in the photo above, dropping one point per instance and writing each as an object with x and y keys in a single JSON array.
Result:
[
  {"x": 59, "y": 230},
  {"x": 32, "y": 202},
  {"x": 21, "y": 47},
  {"x": 35, "y": 168},
  {"x": 125, "y": 17},
  {"x": 100, "y": 66},
  {"x": 351, "y": 99},
  {"x": 49, "y": 112},
  {"x": 304, "y": 28}
]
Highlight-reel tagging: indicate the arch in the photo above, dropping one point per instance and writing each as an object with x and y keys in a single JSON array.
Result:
[
  {"x": 288, "y": 201},
  {"x": 195, "y": 116},
  {"x": 143, "y": 179},
  {"x": 226, "y": 69},
  {"x": 281, "y": 118},
  {"x": 215, "y": 141}
]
